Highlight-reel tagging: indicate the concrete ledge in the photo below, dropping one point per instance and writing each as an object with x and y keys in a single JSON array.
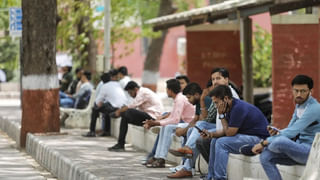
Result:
[
  {"x": 69, "y": 157},
  {"x": 10, "y": 86},
  {"x": 9, "y": 94},
  {"x": 240, "y": 167},
  {"x": 312, "y": 171},
  {"x": 58, "y": 164},
  {"x": 143, "y": 139},
  {"x": 11, "y": 126}
]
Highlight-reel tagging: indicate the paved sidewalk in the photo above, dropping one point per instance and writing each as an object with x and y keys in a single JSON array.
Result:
[
  {"x": 70, "y": 156},
  {"x": 88, "y": 158},
  {"x": 17, "y": 165}
]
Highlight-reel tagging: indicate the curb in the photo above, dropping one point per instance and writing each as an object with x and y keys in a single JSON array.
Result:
[
  {"x": 53, "y": 161},
  {"x": 12, "y": 127}
]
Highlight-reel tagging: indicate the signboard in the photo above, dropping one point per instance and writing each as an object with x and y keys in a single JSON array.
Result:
[{"x": 15, "y": 20}]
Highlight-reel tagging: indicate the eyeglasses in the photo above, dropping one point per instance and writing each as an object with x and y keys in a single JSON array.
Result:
[{"x": 301, "y": 91}]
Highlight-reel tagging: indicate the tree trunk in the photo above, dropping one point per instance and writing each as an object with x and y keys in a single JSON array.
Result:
[
  {"x": 40, "y": 87},
  {"x": 89, "y": 63},
  {"x": 151, "y": 65}
]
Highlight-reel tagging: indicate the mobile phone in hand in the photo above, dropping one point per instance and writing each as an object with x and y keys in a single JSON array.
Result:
[
  {"x": 273, "y": 128},
  {"x": 199, "y": 130}
]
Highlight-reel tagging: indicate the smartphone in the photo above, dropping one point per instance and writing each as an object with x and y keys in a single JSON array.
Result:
[
  {"x": 199, "y": 130},
  {"x": 273, "y": 128}
]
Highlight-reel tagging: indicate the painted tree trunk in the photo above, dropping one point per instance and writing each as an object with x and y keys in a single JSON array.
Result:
[
  {"x": 151, "y": 65},
  {"x": 40, "y": 87}
]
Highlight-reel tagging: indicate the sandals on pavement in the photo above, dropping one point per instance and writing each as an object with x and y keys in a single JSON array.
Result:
[{"x": 158, "y": 163}]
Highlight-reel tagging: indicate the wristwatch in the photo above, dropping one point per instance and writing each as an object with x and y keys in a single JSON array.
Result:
[
  {"x": 222, "y": 116},
  {"x": 262, "y": 143}
]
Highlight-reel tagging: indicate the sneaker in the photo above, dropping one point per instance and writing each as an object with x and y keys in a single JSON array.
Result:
[
  {"x": 117, "y": 148},
  {"x": 155, "y": 129},
  {"x": 89, "y": 134},
  {"x": 247, "y": 150},
  {"x": 182, "y": 152}
]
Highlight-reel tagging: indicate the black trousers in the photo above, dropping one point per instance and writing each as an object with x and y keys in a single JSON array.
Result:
[
  {"x": 131, "y": 116},
  {"x": 204, "y": 147},
  {"x": 106, "y": 109}
]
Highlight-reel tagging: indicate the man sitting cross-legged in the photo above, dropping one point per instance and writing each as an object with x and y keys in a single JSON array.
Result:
[
  {"x": 145, "y": 105},
  {"x": 280, "y": 148},
  {"x": 182, "y": 110}
]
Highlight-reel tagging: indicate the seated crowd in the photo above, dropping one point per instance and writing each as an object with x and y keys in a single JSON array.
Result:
[{"x": 213, "y": 122}]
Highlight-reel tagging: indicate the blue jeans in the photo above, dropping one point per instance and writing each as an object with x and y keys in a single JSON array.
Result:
[
  {"x": 219, "y": 153},
  {"x": 65, "y": 100},
  {"x": 283, "y": 150},
  {"x": 165, "y": 139},
  {"x": 191, "y": 142}
]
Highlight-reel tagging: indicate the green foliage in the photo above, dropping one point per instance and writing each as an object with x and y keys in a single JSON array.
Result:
[
  {"x": 9, "y": 48},
  {"x": 127, "y": 16},
  {"x": 262, "y": 62},
  {"x": 77, "y": 18}
]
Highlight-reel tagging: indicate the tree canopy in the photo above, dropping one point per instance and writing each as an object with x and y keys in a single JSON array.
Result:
[{"x": 9, "y": 47}]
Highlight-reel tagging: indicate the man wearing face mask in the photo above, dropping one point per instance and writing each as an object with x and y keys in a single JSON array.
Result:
[
  {"x": 242, "y": 123},
  {"x": 280, "y": 148}
]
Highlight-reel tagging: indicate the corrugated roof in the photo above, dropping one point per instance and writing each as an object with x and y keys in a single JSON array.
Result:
[
  {"x": 217, "y": 9},
  {"x": 230, "y": 8}
]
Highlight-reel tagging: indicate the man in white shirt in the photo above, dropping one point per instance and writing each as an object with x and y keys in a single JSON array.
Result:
[
  {"x": 110, "y": 98},
  {"x": 123, "y": 76},
  {"x": 123, "y": 79},
  {"x": 145, "y": 105}
]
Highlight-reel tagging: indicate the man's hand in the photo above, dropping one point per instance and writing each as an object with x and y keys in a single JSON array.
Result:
[
  {"x": 272, "y": 130},
  {"x": 222, "y": 107},
  {"x": 205, "y": 134},
  {"x": 205, "y": 93},
  {"x": 181, "y": 131},
  {"x": 257, "y": 149},
  {"x": 150, "y": 123}
]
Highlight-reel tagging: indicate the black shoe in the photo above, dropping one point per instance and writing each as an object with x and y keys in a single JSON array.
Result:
[
  {"x": 89, "y": 134},
  {"x": 247, "y": 150},
  {"x": 104, "y": 134},
  {"x": 116, "y": 148}
]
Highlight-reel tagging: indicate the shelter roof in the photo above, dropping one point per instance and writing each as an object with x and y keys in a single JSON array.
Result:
[{"x": 231, "y": 9}]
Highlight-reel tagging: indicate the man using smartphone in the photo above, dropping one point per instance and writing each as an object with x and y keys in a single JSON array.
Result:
[
  {"x": 242, "y": 123},
  {"x": 292, "y": 145}
]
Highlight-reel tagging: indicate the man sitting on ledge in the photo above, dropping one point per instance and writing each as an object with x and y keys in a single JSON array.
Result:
[
  {"x": 242, "y": 123},
  {"x": 182, "y": 111},
  {"x": 280, "y": 148},
  {"x": 145, "y": 105}
]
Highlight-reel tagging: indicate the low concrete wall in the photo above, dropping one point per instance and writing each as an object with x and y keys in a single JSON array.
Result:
[
  {"x": 11, "y": 126},
  {"x": 57, "y": 163},
  {"x": 10, "y": 86},
  {"x": 312, "y": 171},
  {"x": 239, "y": 166},
  {"x": 142, "y": 138}
]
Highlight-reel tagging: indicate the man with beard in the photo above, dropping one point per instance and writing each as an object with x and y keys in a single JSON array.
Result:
[
  {"x": 291, "y": 146},
  {"x": 219, "y": 76}
]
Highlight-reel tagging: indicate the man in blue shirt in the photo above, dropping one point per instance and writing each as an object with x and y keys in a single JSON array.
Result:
[
  {"x": 242, "y": 123},
  {"x": 280, "y": 148}
]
